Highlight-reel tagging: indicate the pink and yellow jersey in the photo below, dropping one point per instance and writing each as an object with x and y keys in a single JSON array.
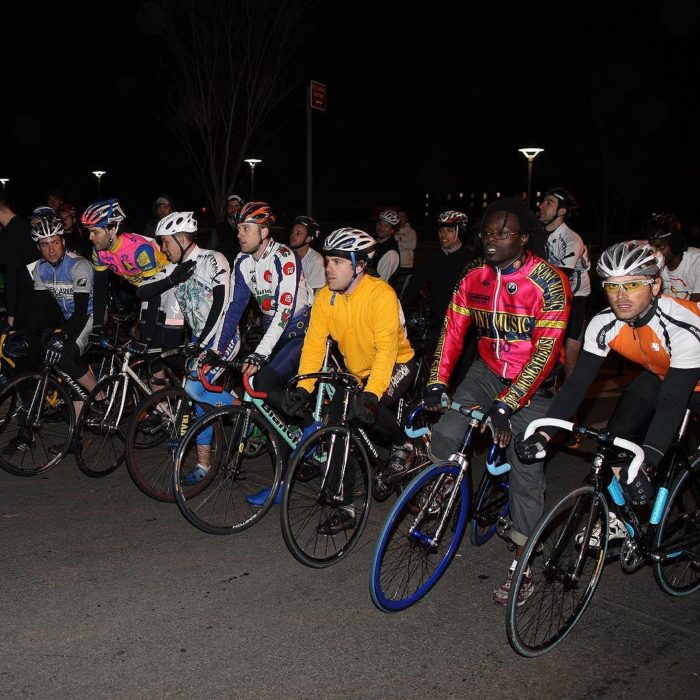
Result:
[{"x": 135, "y": 258}]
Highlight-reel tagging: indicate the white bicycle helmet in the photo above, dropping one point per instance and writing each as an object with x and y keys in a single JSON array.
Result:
[
  {"x": 391, "y": 216},
  {"x": 343, "y": 242},
  {"x": 46, "y": 227},
  {"x": 177, "y": 222},
  {"x": 628, "y": 258}
]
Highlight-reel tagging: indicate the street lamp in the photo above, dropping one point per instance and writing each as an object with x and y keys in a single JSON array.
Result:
[
  {"x": 530, "y": 154},
  {"x": 4, "y": 181},
  {"x": 98, "y": 174},
  {"x": 252, "y": 162}
]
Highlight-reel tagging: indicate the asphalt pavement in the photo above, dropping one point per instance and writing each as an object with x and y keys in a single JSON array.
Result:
[{"x": 108, "y": 594}]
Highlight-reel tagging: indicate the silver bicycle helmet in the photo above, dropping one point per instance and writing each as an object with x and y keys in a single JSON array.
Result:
[
  {"x": 628, "y": 258},
  {"x": 391, "y": 216},
  {"x": 345, "y": 241},
  {"x": 46, "y": 227}
]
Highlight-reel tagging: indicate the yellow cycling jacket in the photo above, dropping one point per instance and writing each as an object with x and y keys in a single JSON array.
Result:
[{"x": 368, "y": 325}]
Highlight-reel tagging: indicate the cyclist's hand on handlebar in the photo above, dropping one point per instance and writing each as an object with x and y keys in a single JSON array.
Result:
[
  {"x": 364, "y": 408},
  {"x": 252, "y": 363},
  {"x": 182, "y": 272},
  {"x": 433, "y": 397},
  {"x": 54, "y": 349},
  {"x": 638, "y": 487},
  {"x": 498, "y": 420},
  {"x": 534, "y": 448},
  {"x": 294, "y": 401}
]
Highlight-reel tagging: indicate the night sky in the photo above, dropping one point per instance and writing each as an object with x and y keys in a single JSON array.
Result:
[{"x": 431, "y": 99}]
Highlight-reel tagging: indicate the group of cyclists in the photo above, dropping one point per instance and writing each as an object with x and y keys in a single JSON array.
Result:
[{"x": 520, "y": 297}]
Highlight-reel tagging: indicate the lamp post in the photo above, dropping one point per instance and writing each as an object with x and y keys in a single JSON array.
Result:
[
  {"x": 252, "y": 162},
  {"x": 4, "y": 181},
  {"x": 530, "y": 153},
  {"x": 98, "y": 174}
]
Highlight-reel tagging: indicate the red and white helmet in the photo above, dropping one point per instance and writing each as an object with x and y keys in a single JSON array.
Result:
[
  {"x": 343, "y": 242},
  {"x": 103, "y": 214}
]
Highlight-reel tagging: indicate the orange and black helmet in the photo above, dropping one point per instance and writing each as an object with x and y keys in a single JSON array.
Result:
[{"x": 256, "y": 213}]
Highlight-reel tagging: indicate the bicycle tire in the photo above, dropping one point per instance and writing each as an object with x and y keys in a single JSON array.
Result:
[
  {"x": 100, "y": 433},
  {"x": 678, "y": 537},
  {"x": 153, "y": 437},
  {"x": 539, "y": 622},
  {"x": 491, "y": 503},
  {"x": 405, "y": 564},
  {"x": 29, "y": 449},
  {"x": 308, "y": 503},
  {"x": 219, "y": 506}
]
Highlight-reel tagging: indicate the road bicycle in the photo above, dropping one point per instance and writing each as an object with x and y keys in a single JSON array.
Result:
[
  {"x": 156, "y": 430},
  {"x": 423, "y": 530},
  {"x": 254, "y": 440},
  {"x": 37, "y": 420},
  {"x": 332, "y": 477},
  {"x": 566, "y": 552},
  {"x": 101, "y": 429}
]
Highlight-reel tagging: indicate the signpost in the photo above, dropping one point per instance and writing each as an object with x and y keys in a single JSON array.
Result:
[{"x": 316, "y": 99}]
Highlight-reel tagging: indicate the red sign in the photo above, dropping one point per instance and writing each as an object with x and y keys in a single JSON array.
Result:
[{"x": 318, "y": 96}]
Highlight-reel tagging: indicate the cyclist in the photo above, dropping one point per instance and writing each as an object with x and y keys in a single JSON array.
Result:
[
  {"x": 440, "y": 271},
  {"x": 67, "y": 279},
  {"x": 681, "y": 273},
  {"x": 138, "y": 260},
  {"x": 203, "y": 298},
  {"x": 271, "y": 273},
  {"x": 224, "y": 236},
  {"x": 660, "y": 333},
  {"x": 519, "y": 304},
  {"x": 386, "y": 256},
  {"x": 566, "y": 250},
  {"x": 363, "y": 315},
  {"x": 305, "y": 231}
]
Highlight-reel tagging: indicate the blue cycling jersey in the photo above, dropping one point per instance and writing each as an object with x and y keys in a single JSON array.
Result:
[{"x": 73, "y": 275}]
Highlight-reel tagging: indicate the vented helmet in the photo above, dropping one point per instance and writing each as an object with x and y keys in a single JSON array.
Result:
[
  {"x": 256, "y": 213},
  {"x": 453, "y": 218},
  {"x": 103, "y": 214},
  {"x": 391, "y": 216},
  {"x": 177, "y": 222},
  {"x": 46, "y": 227},
  {"x": 628, "y": 258},
  {"x": 310, "y": 224},
  {"x": 345, "y": 241}
]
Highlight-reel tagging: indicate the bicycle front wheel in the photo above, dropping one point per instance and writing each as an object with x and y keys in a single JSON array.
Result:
[
  {"x": 420, "y": 537},
  {"x": 677, "y": 537},
  {"x": 155, "y": 430},
  {"x": 100, "y": 441},
  {"x": 490, "y": 505},
  {"x": 241, "y": 484},
  {"x": 326, "y": 501},
  {"x": 558, "y": 572},
  {"x": 38, "y": 425}
]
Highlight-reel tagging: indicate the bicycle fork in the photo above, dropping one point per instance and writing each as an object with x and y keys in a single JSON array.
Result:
[{"x": 432, "y": 541}]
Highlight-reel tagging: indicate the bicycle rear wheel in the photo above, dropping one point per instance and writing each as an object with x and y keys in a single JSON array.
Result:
[
  {"x": 564, "y": 574},
  {"x": 490, "y": 505},
  {"x": 419, "y": 538},
  {"x": 100, "y": 435},
  {"x": 323, "y": 514},
  {"x": 218, "y": 504},
  {"x": 678, "y": 537},
  {"x": 156, "y": 428},
  {"x": 37, "y": 432}
]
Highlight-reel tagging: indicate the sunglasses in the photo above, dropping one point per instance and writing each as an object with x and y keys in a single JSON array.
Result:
[{"x": 633, "y": 286}]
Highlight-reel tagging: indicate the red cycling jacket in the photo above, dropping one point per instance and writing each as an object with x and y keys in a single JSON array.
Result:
[{"x": 520, "y": 314}]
